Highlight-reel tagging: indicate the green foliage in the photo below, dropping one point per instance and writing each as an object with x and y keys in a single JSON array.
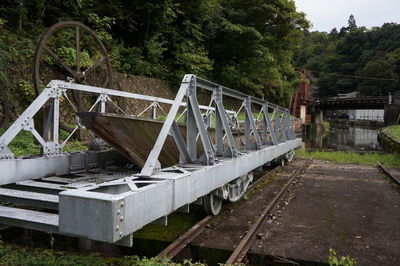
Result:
[
  {"x": 335, "y": 260},
  {"x": 325, "y": 126},
  {"x": 16, "y": 53},
  {"x": 244, "y": 45},
  {"x": 73, "y": 146},
  {"x": 22, "y": 256},
  {"x": 354, "y": 51},
  {"x": 135, "y": 260},
  {"x": 102, "y": 25},
  {"x": 27, "y": 90},
  {"x": 24, "y": 144},
  {"x": 390, "y": 159},
  {"x": 393, "y": 132},
  {"x": 68, "y": 55},
  {"x": 178, "y": 223},
  {"x": 252, "y": 48}
]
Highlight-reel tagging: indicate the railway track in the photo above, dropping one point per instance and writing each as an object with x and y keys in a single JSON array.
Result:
[
  {"x": 175, "y": 247},
  {"x": 241, "y": 250},
  {"x": 387, "y": 172}
]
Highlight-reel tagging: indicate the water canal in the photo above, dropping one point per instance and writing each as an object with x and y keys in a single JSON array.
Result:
[{"x": 343, "y": 136}]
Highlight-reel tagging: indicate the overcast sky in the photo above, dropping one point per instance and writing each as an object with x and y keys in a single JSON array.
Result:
[{"x": 327, "y": 14}]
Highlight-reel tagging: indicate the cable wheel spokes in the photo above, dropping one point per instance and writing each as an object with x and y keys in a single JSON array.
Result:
[
  {"x": 90, "y": 56},
  {"x": 70, "y": 50},
  {"x": 59, "y": 61}
]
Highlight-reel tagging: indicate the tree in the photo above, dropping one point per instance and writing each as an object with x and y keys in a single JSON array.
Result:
[
  {"x": 246, "y": 45},
  {"x": 379, "y": 68},
  {"x": 351, "y": 23},
  {"x": 355, "y": 51},
  {"x": 253, "y": 44}
]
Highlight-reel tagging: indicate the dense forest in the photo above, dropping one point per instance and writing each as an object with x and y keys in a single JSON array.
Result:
[
  {"x": 353, "y": 59},
  {"x": 246, "y": 45},
  {"x": 255, "y": 46}
]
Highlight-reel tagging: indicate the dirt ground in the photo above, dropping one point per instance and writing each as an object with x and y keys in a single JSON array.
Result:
[{"x": 353, "y": 209}]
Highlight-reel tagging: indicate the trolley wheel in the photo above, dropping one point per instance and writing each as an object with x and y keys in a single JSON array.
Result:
[
  {"x": 212, "y": 204},
  {"x": 282, "y": 161},
  {"x": 290, "y": 156}
]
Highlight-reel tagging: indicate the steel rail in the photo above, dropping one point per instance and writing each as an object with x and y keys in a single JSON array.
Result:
[
  {"x": 180, "y": 243},
  {"x": 386, "y": 171},
  {"x": 259, "y": 181},
  {"x": 245, "y": 244},
  {"x": 175, "y": 247}
]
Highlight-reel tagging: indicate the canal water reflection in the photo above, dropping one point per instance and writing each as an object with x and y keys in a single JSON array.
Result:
[{"x": 343, "y": 136}]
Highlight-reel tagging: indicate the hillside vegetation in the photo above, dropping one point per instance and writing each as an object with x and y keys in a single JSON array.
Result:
[
  {"x": 246, "y": 45},
  {"x": 334, "y": 58}
]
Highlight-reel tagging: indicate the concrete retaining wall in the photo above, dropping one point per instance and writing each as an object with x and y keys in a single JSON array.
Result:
[{"x": 388, "y": 142}]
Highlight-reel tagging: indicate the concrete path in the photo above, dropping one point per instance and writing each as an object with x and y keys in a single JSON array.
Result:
[{"x": 352, "y": 209}]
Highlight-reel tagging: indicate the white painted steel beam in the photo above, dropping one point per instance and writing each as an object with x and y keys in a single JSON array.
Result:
[
  {"x": 15, "y": 170},
  {"x": 29, "y": 219},
  {"x": 111, "y": 216}
]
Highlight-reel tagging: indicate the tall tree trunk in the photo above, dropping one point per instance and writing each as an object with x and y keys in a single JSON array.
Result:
[
  {"x": 21, "y": 11},
  {"x": 6, "y": 107}
]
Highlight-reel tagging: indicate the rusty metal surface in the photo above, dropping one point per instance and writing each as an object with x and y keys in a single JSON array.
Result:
[
  {"x": 175, "y": 247},
  {"x": 134, "y": 137},
  {"x": 78, "y": 74},
  {"x": 390, "y": 173}
]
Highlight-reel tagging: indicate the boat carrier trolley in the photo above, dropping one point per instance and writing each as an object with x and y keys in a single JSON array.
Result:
[{"x": 97, "y": 194}]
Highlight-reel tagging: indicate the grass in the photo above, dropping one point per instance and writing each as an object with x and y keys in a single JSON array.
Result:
[
  {"x": 262, "y": 185},
  {"x": 393, "y": 131},
  {"x": 180, "y": 120},
  {"x": 389, "y": 159},
  {"x": 24, "y": 144},
  {"x": 14, "y": 255}
]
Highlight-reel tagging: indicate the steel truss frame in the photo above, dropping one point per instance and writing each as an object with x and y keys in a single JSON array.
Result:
[{"x": 112, "y": 210}]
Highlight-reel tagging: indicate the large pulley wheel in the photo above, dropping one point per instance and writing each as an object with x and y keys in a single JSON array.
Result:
[
  {"x": 212, "y": 204},
  {"x": 71, "y": 51}
]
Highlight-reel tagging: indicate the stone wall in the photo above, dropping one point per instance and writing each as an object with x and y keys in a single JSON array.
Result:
[
  {"x": 388, "y": 142},
  {"x": 142, "y": 85}
]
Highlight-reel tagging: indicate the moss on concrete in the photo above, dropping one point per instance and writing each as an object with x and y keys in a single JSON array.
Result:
[
  {"x": 178, "y": 223},
  {"x": 393, "y": 132},
  {"x": 389, "y": 137}
]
